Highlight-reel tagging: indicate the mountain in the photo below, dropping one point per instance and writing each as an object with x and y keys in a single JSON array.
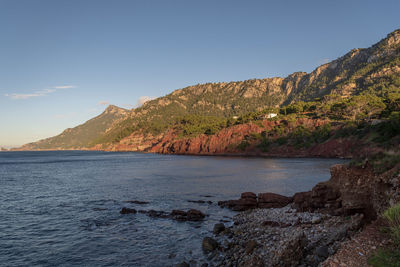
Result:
[
  {"x": 206, "y": 108},
  {"x": 82, "y": 135}
]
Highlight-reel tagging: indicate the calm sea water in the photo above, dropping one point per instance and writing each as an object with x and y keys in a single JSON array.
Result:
[{"x": 62, "y": 208}]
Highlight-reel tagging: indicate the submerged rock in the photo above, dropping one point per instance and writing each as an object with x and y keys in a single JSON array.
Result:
[
  {"x": 127, "y": 211},
  {"x": 201, "y": 201},
  {"x": 155, "y": 213},
  {"x": 137, "y": 202}
]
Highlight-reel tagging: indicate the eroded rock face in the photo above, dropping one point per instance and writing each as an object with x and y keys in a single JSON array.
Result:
[
  {"x": 352, "y": 190},
  {"x": 322, "y": 196}
]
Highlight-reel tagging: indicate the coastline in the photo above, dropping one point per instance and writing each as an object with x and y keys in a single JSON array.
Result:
[
  {"x": 355, "y": 194},
  {"x": 209, "y": 154},
  {"x": 350, "y": 191}
]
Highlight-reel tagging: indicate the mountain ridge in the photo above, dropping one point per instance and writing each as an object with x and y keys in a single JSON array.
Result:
[{"x": 353, "y": 73}]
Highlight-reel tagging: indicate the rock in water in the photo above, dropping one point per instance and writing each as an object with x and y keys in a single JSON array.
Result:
[
  {"x": 218, "y": 228},
  {"x": 137, "y": 202},
  {"x": 127, "y": 211},
  {"x": 209, "y": 244},
  {"x": 195, "y": 215},
  {"x": 248, "y": 200}
]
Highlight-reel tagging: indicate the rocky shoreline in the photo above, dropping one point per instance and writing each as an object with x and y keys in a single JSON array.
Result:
[
  {"x": 306, "y": 229},
  {"x": 282, "y": 237}
]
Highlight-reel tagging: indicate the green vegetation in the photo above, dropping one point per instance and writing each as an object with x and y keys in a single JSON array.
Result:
[
  {"x": 212, "y": 105},
  {"x": 84, "y": 134},
  {"x": 192, "y": 125},
  {"x": 389, "y": 256},
  {"x": 385, "y": 258},
  {"x": 243, "y": 145}
]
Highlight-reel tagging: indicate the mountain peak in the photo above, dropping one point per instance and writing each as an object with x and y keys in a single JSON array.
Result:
[{"x": 114, "y": 109}]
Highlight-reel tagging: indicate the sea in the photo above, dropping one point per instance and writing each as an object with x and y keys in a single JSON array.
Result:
[{"x": 62, "y": 208}]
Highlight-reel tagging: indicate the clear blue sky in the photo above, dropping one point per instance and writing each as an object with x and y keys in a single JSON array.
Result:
[{"x": 62, "y": 61}]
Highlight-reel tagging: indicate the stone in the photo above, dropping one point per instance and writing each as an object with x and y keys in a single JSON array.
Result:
[
  {"x": 228, "y": 232},
  {"x": 127, "y": 211},
  {"x": 247, "y": 201},
  {"x": 209, "y": 244},
  {"x": 195, "y": 215},
  {"x": 250, "y": 246},
  {"x": 315, "y": 220},
  {"x": 191, "y": 215},
  {"x": 322, "y": 251},
  {"x": 218, "y": 228},
  {"x": 272, "y": 200},
  {"x": 178, "y": 213}
]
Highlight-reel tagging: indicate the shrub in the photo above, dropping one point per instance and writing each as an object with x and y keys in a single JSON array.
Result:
[
  {"x": 387, "y": 257},
  {"x": 392, "y": 215},
  {"x": 243, "y": 145},
  {"x": 322, "y": 133},
  {"x": 264, "y": 144}
]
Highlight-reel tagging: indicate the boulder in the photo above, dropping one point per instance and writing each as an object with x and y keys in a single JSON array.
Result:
[
  {"x": 272, "y": 200},
  {"x": 209, "y": 244},
  {"x": 191, "y": 215},
  {"x": 322, "y": 197},
  {"x": 195, "y": 215},
  {"x": 302, "y": 201},
  {"x": 248, "y": 195},
  {"x": 248, "y": 200},
  {"x": 178, "y": 213},
  {"x": 218, "y": 228}
]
